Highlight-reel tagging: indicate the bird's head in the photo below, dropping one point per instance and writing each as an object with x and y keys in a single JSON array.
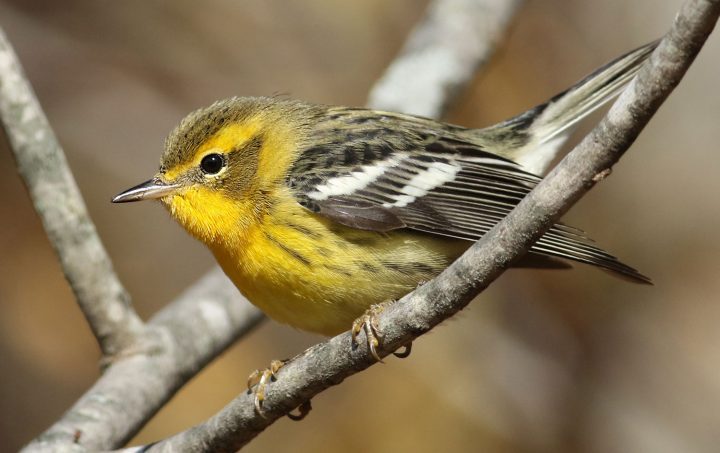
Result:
[{"x": 222, "y": 164}]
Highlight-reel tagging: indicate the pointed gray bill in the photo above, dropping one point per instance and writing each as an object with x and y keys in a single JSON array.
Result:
[{"x": 149, "y": 190}]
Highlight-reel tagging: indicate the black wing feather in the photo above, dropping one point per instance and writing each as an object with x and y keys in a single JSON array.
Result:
[{"x": 438, "y": 183}]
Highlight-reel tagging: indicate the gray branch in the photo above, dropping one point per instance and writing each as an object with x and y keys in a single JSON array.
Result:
[
  {"x": 175, "y": 345},
  {"x": 442, "y": 54},
  {"x": 57, "y": 200},
  {"x": 329, "y": 363}
]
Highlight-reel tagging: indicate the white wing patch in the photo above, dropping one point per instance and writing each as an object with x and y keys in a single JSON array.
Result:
[
  {"x": 437, "y": 174},
  {"x": 537, "y": 158},
  {"x": 357, "y": 180}
]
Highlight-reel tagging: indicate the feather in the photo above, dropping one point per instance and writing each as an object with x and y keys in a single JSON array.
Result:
[{"x": 392, "y": 171}]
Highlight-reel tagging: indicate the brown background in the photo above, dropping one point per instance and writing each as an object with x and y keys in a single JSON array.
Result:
[{"x": 543, "y": 361}]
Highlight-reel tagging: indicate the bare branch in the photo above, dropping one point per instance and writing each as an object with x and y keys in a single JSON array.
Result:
[
  {"x": 442, "y": 54},
  {"x": 329, "y": 363},
  {"x": 176, "y": 344},
  {"x": 57, "y": 200}
]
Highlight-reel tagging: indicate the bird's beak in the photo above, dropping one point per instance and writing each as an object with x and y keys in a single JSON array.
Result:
[{"x": 149, "y": 190}]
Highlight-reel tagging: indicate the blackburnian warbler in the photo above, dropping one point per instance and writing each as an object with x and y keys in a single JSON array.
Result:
[{"x": 318, "y": 212}]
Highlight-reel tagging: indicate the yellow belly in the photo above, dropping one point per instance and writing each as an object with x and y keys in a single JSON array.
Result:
[
  {"x": 303, "y": 269},
  {"x": 317, "y": 276}
]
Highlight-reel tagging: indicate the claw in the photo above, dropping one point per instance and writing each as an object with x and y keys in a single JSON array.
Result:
[
  {"x": 405, "y": 353},
  {"x": 259, "y": 380},
  {"x": 303, "y": 410},
  {"x": 368, "y": 323}
]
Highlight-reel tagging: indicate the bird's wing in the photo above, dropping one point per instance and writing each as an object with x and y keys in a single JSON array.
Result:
[{"x": 428, "y": 180}]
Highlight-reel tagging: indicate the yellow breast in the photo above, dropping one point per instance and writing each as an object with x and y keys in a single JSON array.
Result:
[
  {"x": 302, "y": 270},
  {"x": 306, "y": 271}
]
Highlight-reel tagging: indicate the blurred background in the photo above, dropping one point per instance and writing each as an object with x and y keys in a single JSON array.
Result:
[{"x": 543, "y": 361}]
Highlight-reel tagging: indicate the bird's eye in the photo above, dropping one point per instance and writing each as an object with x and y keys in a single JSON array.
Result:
[{"x": 212, "y": 164}]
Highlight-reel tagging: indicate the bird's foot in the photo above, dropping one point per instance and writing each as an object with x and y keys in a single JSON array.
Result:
[
  {"x": 368, "y": 323},
  {"x": 258, "y": 381}
]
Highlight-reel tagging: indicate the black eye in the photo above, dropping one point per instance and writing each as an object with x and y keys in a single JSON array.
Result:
[{"x": 212, "y": 164}]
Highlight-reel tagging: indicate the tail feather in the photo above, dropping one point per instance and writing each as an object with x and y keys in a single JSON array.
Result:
[{"x": 542, "y": 130}]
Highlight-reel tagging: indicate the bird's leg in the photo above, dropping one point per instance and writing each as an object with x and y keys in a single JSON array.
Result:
[
  {"x": 369, "y": 324},
  {"x": 259, "y": 380}
]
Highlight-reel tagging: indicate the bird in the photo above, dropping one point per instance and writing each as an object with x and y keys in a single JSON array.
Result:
[{"x": 318, "y": 213}]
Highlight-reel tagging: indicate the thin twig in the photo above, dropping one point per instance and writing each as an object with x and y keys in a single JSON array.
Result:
[
  {"x": 57, "y": 200},
  {"x": 442, "y": 54},
  {"x": 329, "y": 363}
]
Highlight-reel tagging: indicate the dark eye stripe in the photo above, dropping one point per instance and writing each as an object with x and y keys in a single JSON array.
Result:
[{"x": 251, "y": 146}]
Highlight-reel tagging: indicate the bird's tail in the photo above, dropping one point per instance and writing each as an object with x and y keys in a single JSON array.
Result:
[{"x": 541, "y": 131}]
